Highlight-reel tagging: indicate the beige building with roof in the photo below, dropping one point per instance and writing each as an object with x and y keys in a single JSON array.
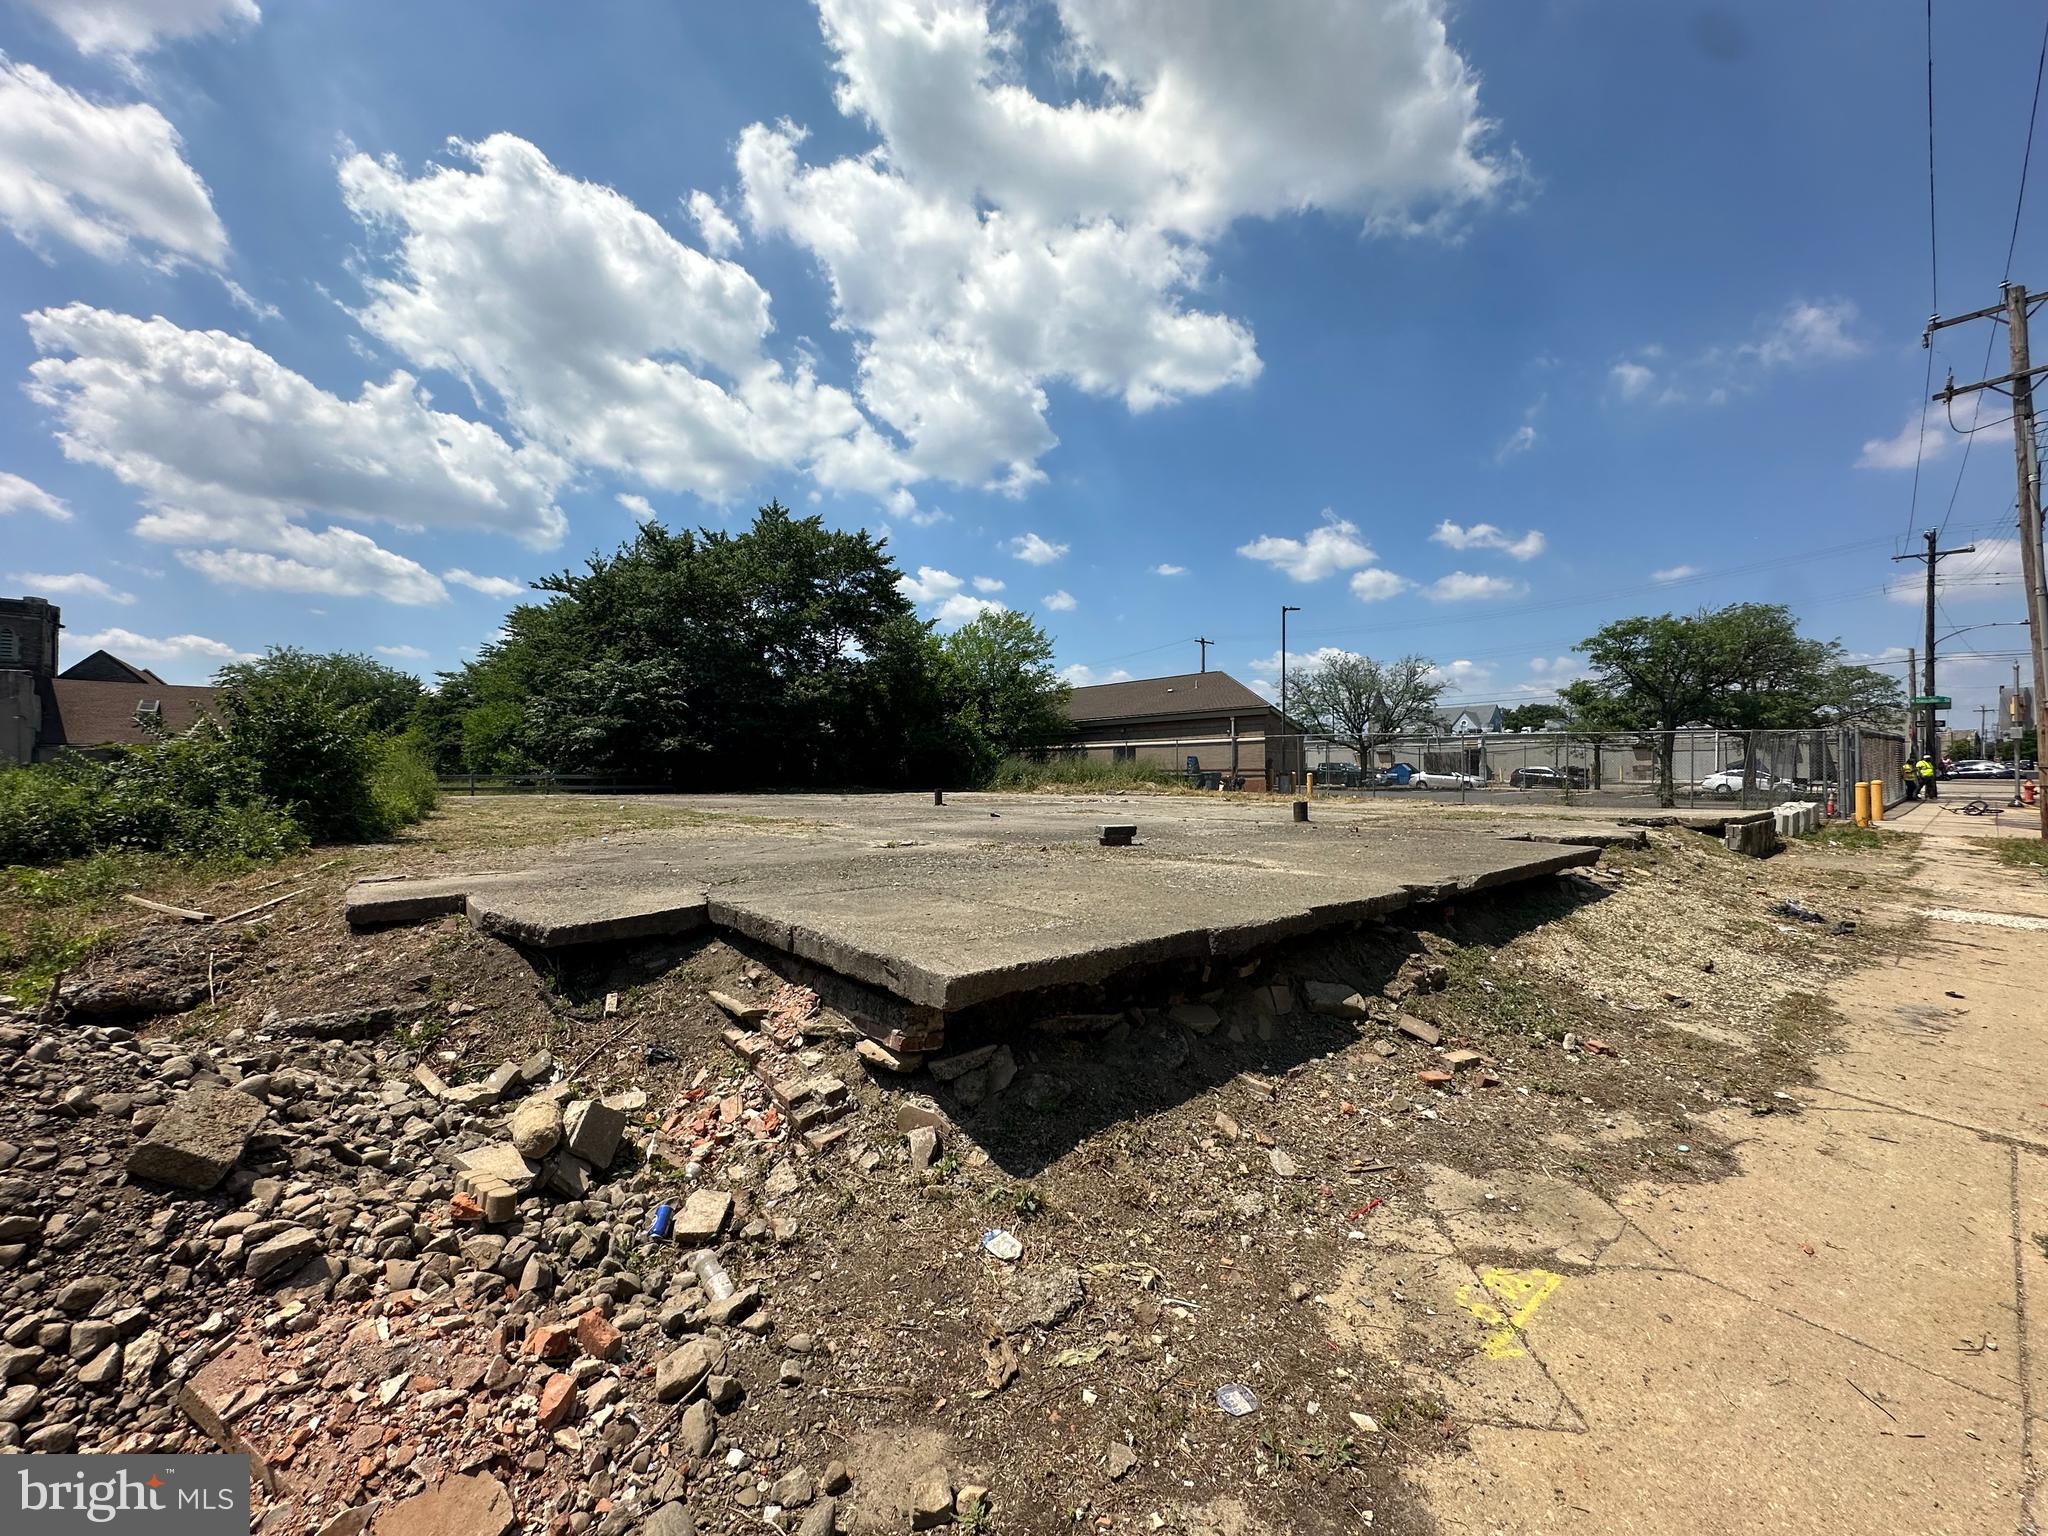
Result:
[{"x": 1202, "y": 723}]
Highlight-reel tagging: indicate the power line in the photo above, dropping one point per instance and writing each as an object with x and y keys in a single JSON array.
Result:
[
  {"x": 2011, "y": 246},
  {"x": 1933, "y": 284},
  {"x": 2027, "y": 158}
]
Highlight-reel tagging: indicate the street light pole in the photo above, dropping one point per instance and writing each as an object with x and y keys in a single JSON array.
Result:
[{"x": 1284, "y": 611}]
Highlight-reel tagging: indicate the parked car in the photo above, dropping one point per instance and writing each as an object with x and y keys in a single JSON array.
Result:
[
  {"x": 1729, "y": 781},
  {"x": 1980, "y": 768},
  {"x": 1537, "y": 777},
  {"x": 1431, "y": 779}
]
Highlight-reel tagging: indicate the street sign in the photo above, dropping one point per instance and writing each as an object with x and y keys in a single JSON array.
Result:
[{"x": 1931, "y": 700}]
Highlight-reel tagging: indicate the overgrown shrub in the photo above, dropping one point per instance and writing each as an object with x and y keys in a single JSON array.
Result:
[
  {"x": 191, "y": 796},
  {"x": 296, "y": 754},
  {"x": 1078, "y": 773},
  {"x": 402, "y": 788}
]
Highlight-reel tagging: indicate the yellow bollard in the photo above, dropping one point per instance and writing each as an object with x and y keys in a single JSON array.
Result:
[
  {"x": 1863, "y": 802},
  {"x": 1309, "y": 785},
  {"x": 1876, "y": 801}
]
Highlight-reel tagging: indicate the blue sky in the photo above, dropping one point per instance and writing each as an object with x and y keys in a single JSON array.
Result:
[{"x": 1455, "y": 326}]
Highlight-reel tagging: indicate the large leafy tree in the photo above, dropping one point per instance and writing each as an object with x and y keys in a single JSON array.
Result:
[
  {"x": 1003, "y": 693},
  {"x": 1362, "y": 702},
  {"x": 781, "y": 654},
  {"x": 1743, "y": 667}
]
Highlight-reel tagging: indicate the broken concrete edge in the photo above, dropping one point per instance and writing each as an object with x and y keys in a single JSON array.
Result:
[
  {"x": 516, "y": 925},
  {"x": 949, "y": 994}
]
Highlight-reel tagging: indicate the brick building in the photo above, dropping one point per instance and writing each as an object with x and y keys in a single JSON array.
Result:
[
  {"x": 1207, "y": 722},
  {"x": 101, "y": 701}
]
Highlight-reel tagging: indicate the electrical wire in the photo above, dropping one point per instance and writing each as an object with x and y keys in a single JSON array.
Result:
[
  {"x": 1933, "y": 285},
  {"x": 2027, "y": 159},
  {"x": 2011, "y": 246}
]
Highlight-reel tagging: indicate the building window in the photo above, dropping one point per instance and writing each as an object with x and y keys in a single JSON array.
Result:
[
  {"x": 1123, "y": 754},
  {"x": 10, "y": 646}
]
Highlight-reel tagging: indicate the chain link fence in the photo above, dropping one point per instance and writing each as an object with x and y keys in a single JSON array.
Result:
[{"x": 1629, "y": 770}]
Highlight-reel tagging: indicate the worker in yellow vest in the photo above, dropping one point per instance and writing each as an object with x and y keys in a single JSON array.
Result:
[{"x": 1925, "y": 768}]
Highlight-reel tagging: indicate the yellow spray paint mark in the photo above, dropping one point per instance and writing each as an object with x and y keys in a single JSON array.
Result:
[{"x": 1504, "y": 1300}]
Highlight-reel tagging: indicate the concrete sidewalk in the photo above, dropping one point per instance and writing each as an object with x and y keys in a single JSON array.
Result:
[{"x": 1849, "y": 1335}]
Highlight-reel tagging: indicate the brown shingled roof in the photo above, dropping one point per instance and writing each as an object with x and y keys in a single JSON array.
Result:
[
  {"x": 103, "y": 714},
  {"x": 1144, "y": 698}
]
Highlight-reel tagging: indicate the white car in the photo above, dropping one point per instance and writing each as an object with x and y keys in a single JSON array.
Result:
[
  {"x": 1729, "y": 782},
  {"x": 1429, "y": 779}
]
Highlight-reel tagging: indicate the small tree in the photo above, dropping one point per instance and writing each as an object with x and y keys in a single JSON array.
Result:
[
  {"x": 1744, "y": 667},
  {"x": 1362, "y": 702},
  {"x": 1000, "y": 688},
  {"x": 1650, "y": 676}
]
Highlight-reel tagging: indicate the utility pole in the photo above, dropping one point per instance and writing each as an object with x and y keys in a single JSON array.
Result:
[
  {"x": 1204, "y": 644},
  {"x": 1930, "y": 741},
  {"x": 1284, "y": 611},
  {"x": 1912, "y": 720},
  {"x": 2015, "y": 309},
  {"x": 1983, "y": 712}
]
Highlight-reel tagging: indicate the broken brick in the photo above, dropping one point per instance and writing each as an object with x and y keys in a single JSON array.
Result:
[
  {"x": 552, "y": 1341},
  {"x": 596, "y": 1336}
]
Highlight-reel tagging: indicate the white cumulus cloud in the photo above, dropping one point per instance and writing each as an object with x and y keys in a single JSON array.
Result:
[
  {"x": 638, "y": 505},
  {"x": 994, "y": 242},
  {"x": 403, "y": 652},
  {"x": 19, "y": 495},
  {"x": 1034, "y": 550},
  {"x": 944, "y": 597},
  {"x": 69, "y": 583},
  {"x": 110, "y": 179},
  {"x": 125, "y": 28},
  {"x": 232, "y": 454},
  {"x": 1909, "y": 445},
  {"x": 1166, "y": 568},
  {"x": 1461, "y": 586},
  {"x": 1333, "y": 547},
  {"x": 1632, "y": 380},
  {"x": 1081, "y": 675},
  {"x": 490, "y": 586},
  {"x": 131, "y": 647},
  {"x": 1486, "y": 536},
  {"x": 1378, "y": 583},
  {"x": 720, "y": 235},
  {"x": 334, "y": 562},
  {"x": 987, "y": 584},
  {"x": 1061, "y": 601},
  {"x": 603, "y": 336},
  {"x": 1675, "y": 573},
  {"x": 1807, "y": 331}
]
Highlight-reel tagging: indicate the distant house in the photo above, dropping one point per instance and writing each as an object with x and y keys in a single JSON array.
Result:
[
  {"x": 1207, "y": 722},
  {"x": 1472, "y": 720},
  {"x": 101, "y": 701}
]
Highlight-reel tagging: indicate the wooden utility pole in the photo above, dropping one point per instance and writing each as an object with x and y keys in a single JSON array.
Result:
[
  {"x": 1204, "y": 644},
  {"x": 1930, "y": 739},
  {"x": 2018, "y": 382},
  {"x": 1912, "y": 727}
]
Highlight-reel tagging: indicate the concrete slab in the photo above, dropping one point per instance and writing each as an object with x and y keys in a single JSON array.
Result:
[
  {"x": 947, "y": 907},
  {"x": 544, "y": 915},
  {"x": 1580, "y": 835}
]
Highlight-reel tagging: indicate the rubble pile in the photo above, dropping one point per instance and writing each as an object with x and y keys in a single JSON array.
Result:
[{"x": 393, "y": 1290}]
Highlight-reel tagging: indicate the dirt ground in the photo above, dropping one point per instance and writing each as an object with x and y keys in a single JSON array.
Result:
[{"x": 1278, "y": 1201}]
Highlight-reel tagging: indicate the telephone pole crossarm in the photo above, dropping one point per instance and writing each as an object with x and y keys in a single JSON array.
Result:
[{"x": 1953, "y": 390}]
